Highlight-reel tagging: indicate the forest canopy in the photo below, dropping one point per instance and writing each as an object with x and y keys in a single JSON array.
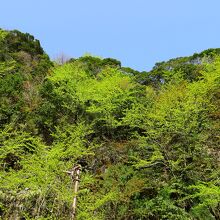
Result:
[{"x": 147, "y": 142}]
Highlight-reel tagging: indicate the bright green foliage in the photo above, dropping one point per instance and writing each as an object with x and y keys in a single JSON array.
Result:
[
  {"x": 208, "y": 195},
  {"x": 100, "y": 100},
  {"x": 148, "y": 143}
]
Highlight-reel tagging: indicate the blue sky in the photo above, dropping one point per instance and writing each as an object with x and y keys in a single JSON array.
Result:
[{"x": 139, "y": 33}]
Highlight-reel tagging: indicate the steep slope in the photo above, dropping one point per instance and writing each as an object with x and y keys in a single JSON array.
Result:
[
  {"x": 23, "y": 67},
  {"x": 147, "y": 142}
]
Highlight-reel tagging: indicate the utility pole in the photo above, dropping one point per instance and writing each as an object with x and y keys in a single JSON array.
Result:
[{"x": 75, "y": 176}]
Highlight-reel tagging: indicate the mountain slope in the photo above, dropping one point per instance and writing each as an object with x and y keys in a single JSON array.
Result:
[{"x": 147, "y": 142}]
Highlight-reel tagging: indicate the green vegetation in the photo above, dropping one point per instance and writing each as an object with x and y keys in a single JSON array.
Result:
[{"x": 148, "y": 142}]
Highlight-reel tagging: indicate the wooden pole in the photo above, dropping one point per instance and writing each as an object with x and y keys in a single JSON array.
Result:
[
  {"x": 76, "y": 179},
  {"x": 75, "y": 175}
]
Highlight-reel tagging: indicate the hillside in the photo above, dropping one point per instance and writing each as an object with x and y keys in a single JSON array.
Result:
[{"x": 147, "y": 142}]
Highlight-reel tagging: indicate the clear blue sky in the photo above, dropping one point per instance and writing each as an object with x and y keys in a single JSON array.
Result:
[{"x": 137, "y": 32}]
